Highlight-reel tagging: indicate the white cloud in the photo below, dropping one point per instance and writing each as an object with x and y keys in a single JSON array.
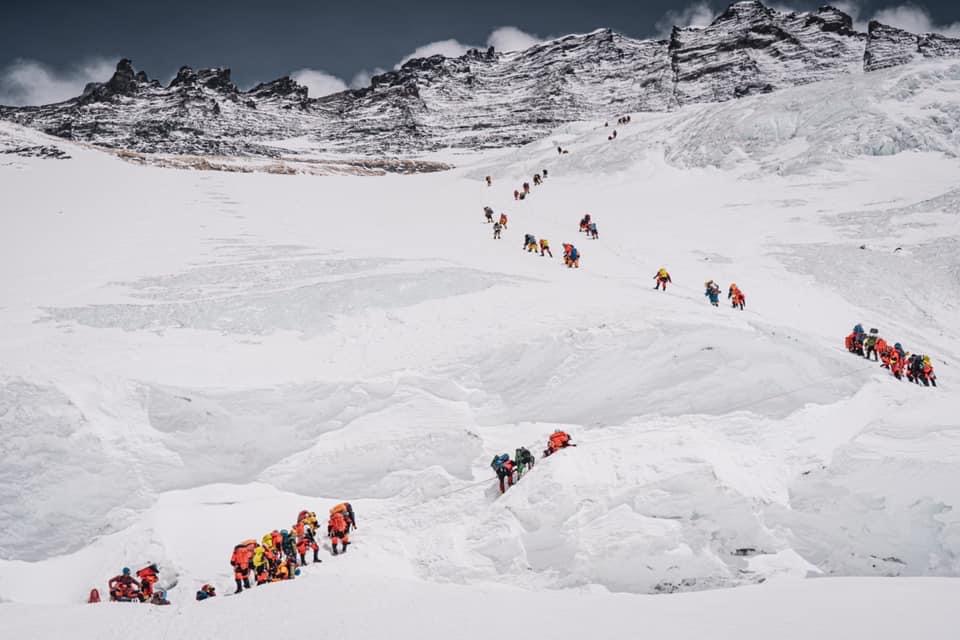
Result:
[
  {"x": 29, "y": 82},
  {"x": 914, "y": 19},
  {"x": 512, "y": 39},
  {"x": 318, "y": 83},
  {"x": 698, "y": 14}
]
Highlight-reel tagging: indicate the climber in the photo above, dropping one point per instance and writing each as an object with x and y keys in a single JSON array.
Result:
[
  {"x": 593, "y": 230},
  {"x": 585, "y": 223},
  {"x": 503, "y": 467},
  {"x": 159, "y": 597},
  {"x": 496, "y": 230},
  {"x": 567, "y": 248},
  {"x": 526, "y": 187},
  {"x": 854, "y": 343},
  {"x": 148, "y": 577},
  {"x": 503, "y": 220},
  {"x": 927, "y": 372},
  {"x": 712, "y": 292},
  {"x": 559, "y": 150},
  {"x": 488, "y": 212},
  {"x": 545, "y": 247},
  {"x": 545, "y": 174},
  {"x": 736, "y": 296},
  {"x": 206, "y": 591},
  {"x": 558, "y": 440},
  {"x": 662, "y": 277},
  {"x": 261, "y": 564},
  {"x": 896, "y": 363},
  {"x": 307, "y": 541},
  {"x": 124, "y": 587},
  {"x": 870, "y": 345},
  {"x": 524, "y": 461},
  {"x": 267, "y": 542},
  {"x": 573, "y": 259},
  {"x": 528, "y": 240},
  {"x": 536, "y": 180},
  {"x": 884, "y": 349},
  {"x": 337, "y": 530},
  {"x": 516, "y": 194},
  {"x": 282, "y": 572},
  {"x": 489, "y": 181},
  {"x": 277, "y": 542},
  {"x": 289, "y": 544},
  {"x": 308, "y": 519},
  {"x": 347, "y": 510},
  {"x": 914, "y": 368},
  {"x": 241, "y": 560}
]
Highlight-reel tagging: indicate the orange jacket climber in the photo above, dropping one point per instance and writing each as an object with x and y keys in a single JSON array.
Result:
[
  {"x": 337, "y": 529},
  {"x": 558, "y": 440},
  {"x": 124, "y": 587},
  {"x": 347, "y": 510},
  {"x": 148, "y": 577}
]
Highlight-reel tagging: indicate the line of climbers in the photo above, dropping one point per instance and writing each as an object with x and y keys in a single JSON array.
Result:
[
  {"x": 734, "y": 294},
  {"x": 524, "y": 190},
  {"x": 279, "y": 553},
  {"x": 510, "y": 471},
  {"x": 916, "y": 367},
  {"x": 125, "y": 588}
]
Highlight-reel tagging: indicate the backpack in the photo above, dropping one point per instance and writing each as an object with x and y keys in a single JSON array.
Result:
[
  {"x": 94, "y": 596},
  {"x": 498, "y": 461}
]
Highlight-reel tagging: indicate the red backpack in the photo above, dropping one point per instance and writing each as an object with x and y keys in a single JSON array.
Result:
[{"x": 94, "y": 596}]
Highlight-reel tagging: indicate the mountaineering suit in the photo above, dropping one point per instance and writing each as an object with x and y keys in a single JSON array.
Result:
[
  {"x": 524, "y": 461},
  {"x": 347, "y": 510},
  {"x": 736, "y": 296},
  {"x": 124, "y": 588},
  {"x": 148, "y": 577},
  {"x": 496, "y": 231},
  {"x": 338, "y": 530},
  {"x": 545, "y": 247},
  {"x": 870, "y": 345},
  {"x": 593, "y": 231},
  {"x": 662, "y": 277},
  {"x": 713, "y": 292},
  {"x": 558, "y": 440},
  {"x": 504, "y": 469},
  {"x": 307, "y": 540},
  {"x": 206, "y": 591},
  {"x": 241, "y": 561}
]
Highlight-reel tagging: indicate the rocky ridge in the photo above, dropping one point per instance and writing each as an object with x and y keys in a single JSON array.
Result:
[{"x": 483, "y": 99}]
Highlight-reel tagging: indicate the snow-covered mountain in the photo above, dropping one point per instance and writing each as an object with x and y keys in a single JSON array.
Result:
[{"x": 484, "y": 98}]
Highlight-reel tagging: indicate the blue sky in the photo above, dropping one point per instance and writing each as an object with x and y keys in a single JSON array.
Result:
[{"x": 50, "y": 48}]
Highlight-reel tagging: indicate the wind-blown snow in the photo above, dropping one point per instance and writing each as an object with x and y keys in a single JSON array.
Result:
[{"x": 189, "y": 358}]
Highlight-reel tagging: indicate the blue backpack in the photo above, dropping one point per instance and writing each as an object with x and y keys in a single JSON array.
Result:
[{"x": 498, "y": 461}]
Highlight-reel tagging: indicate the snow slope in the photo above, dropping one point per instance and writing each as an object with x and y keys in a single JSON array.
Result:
[{"x": 188, "y": 358}]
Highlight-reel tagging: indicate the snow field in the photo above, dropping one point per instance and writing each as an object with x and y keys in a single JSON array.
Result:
[{"x": 189, "y": 359}]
